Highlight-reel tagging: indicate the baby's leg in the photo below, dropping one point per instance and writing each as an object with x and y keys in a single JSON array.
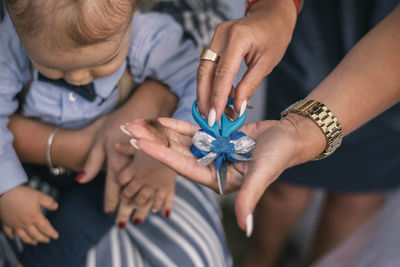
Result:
[{"x": 80, "y": 221}]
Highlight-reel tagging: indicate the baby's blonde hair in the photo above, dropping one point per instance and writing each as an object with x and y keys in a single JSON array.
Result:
[{"x": 87, "y": 22}]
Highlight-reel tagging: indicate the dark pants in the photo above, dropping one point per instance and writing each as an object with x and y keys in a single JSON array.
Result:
[{"x": 79, "y": 220}]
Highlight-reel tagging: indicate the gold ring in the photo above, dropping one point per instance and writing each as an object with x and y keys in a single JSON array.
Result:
[{"x": 210, "y": 55}]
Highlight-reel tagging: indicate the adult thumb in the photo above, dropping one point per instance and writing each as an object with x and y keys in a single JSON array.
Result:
[{"x": 255, "y": 183}]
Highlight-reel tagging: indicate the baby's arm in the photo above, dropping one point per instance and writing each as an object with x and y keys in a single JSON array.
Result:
[{"x": 20, "y": 212}]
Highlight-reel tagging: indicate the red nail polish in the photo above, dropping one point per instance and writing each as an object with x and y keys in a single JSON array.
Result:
[
  {"x": 166, "y": 214},
  {"x": 1, "y": 195},
  {"x": 121, "y": 225},
  {"x": 79, "y": 177},
  {"x": 137, "y": 221}
]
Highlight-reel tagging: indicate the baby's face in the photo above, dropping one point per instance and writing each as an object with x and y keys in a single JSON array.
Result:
[{"x": 79, "y": 66}]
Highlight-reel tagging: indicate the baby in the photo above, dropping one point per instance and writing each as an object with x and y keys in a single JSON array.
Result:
[{"x": 79, "y": 50}]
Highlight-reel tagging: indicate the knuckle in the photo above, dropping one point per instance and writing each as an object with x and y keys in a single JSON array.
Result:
[
  {"x": 247, "y": 89},
  {"x": 238, "y": 31},
  {"x": 141, "y": 199},
  {"x": 221, "y": 27},
  {"x": 123, "y": 178},
  {"x": 222, "y": 72},
  {"x": 203, "y": 70},
  {"x": 129, "y": 191}
]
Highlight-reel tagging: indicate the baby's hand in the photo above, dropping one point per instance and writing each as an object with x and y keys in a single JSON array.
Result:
[
  {"x": 21, "y": 215},
  {"x": 147, "y": 183}
]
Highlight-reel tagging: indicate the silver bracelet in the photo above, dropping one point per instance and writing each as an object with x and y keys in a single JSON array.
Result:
[{"x": 53, "y": 170}]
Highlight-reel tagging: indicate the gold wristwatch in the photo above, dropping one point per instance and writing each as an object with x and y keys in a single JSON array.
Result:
[{"x": 323, "y": 118}]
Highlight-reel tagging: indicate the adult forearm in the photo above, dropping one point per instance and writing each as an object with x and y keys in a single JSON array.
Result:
[
  {"x": 70, "y": 148},
  {"x": 150, "y": 100},
  {"x": 363, "y": 85},
  {"x": 367, "y": 80}
]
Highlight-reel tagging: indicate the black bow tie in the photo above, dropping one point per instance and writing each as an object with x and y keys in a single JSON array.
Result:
[{"x": 86, "y": 91}]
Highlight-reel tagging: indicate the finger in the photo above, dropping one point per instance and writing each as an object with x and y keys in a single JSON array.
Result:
[
  {"x": 111, "y": 192},
  {"x": 259, "y": 177},
  {"x": 159, "y": 199},
  {"x": 140, "y": 213},
  {"x": 143, "y": 197},
  {"x": 232, "y": 92},
  {"x": 167, "y": 205},
  {"x": 8, "y": 231},
  {"x": 206, "y": 70},
  {"x": 24, "y": 236},
  {"x": 125, "y": 176},
  {"x": 37, "y": 235},
  {"x": 249, "y": 84},
  {"x": 131, "y": 189},
  {"x": 226, "y": 70},
  {"x": 93, "y": 164},
  {"x": 139, "y": 131},
  {"x": 181, "y": 127},
  {"x": 151, "y": 130},
  {"x": 47, "y": 202},
  {"x": 125, "y": 149},
  {"x": 205, "y": 80},
  {"x": 125, "y": 211},
  {"x": 46, "y": 228},
  {"x": 184, "y": 165}
]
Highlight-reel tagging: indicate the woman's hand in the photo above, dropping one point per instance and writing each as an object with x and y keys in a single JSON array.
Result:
[
  {"x": 261, "y": 39},
  {"x": 280, "y": 145}
]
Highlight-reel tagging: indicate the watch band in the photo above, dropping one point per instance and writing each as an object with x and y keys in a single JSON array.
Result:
[{"x": 323, "y": 118}]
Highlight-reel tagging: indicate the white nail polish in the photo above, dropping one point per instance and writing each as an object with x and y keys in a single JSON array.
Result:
[
  {"x": 249, "y": 225},
  {"x": 243, "y": 108},
  {"x": 122, "y": 127},
  {"x": 133, "y": 142},
  {"x": 211, "y": 117}
]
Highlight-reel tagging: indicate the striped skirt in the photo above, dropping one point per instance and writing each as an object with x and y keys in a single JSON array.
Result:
[{"x": 192, "y": 236}]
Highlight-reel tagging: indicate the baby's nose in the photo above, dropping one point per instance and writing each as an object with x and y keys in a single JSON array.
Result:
[{"x": 78, "y": 77}]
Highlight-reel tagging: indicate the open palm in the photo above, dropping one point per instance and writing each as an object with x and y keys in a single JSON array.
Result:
[{"x": 276, "y": 149}]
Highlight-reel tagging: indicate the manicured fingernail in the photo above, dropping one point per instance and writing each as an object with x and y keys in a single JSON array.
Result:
[
  {"x": 137, "y": 221},
  {"x": 122, "y": 127},
  {"x": 211, "y": 117},
  {"x": 166, "y": 214},
  {"x": 243, "y": 108},
  {"x": 249, "y": 225},
  {"x": 133, "y": 142},
  {"x": 121, "y": 225},
  {"x": 80, "y": 176}
]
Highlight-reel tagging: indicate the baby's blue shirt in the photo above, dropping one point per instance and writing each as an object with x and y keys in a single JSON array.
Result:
[{"x": 157, "y": 51}]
